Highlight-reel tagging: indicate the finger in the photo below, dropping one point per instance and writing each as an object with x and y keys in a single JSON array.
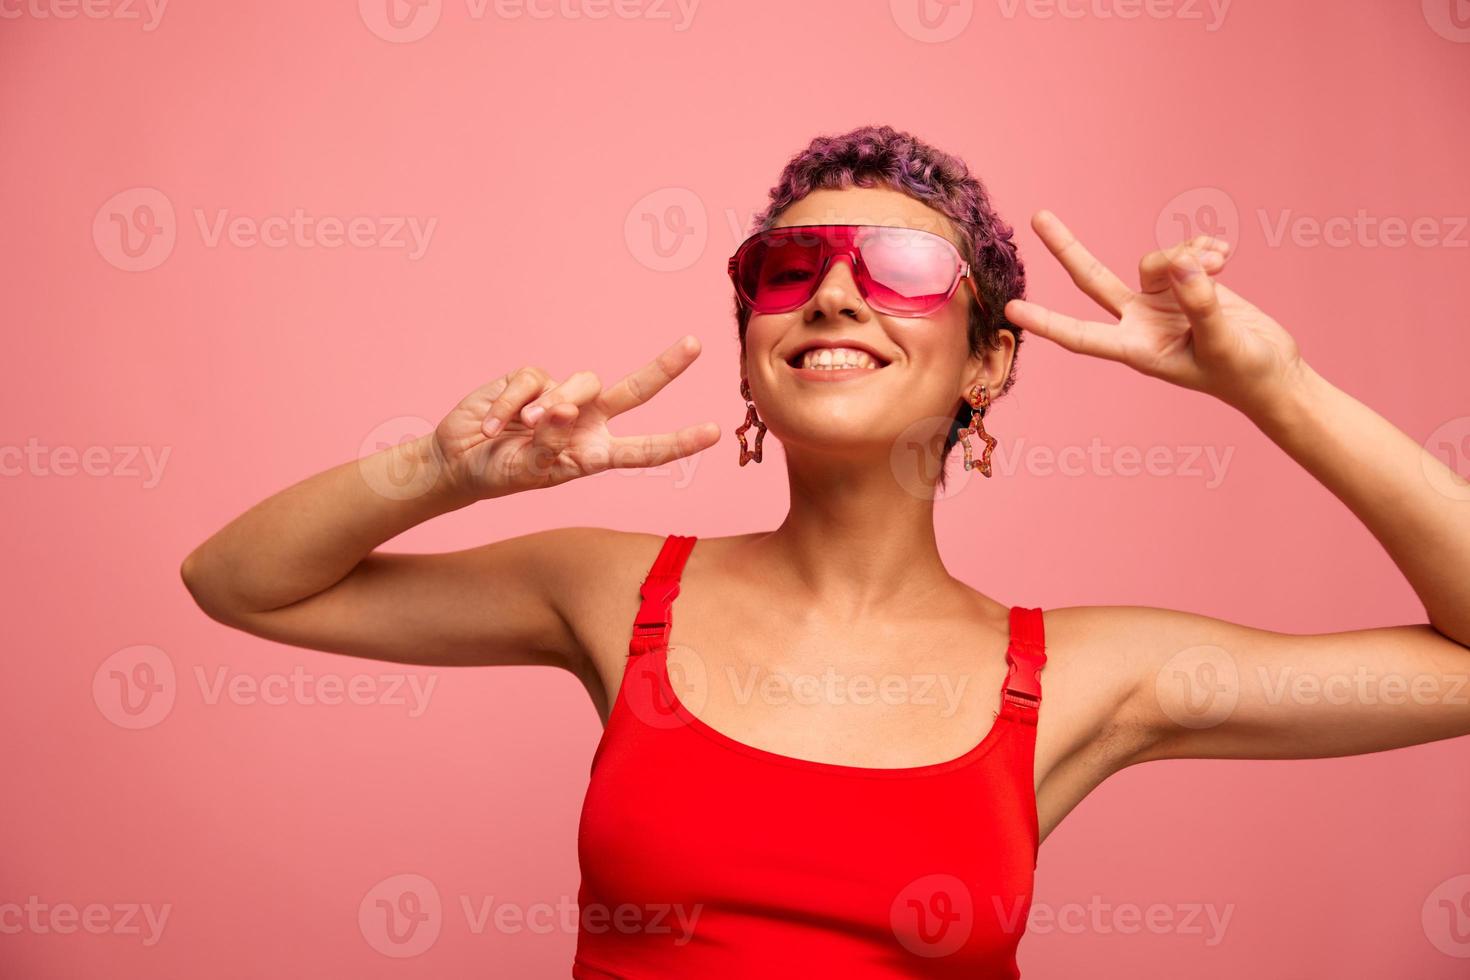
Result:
[
  {"x": 1153, "y": 268},
  {"x": 554, "y": 431},
  {"x": 578, "y": 389},
  {"x": 1081, "y": 336},
  {"x": 655, "y": 450},
  {"x": 642, "y": 384},
  {"x": 524, "y": 384},
  {"x": 1195, "y": 292},
  {"x": 1090, "y": 275}
]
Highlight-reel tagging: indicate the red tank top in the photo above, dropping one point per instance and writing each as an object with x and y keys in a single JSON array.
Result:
[{"x": 706, "y": 857}]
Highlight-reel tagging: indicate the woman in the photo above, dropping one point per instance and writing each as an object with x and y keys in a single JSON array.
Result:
[{"x": 733, "y": 827}]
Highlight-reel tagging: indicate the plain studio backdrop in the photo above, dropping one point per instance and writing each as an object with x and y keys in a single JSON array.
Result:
[{"x": 246, "y": 242}]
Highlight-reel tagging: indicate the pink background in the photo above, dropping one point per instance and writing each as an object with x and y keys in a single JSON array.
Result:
[{"x": 546, "y": 149}]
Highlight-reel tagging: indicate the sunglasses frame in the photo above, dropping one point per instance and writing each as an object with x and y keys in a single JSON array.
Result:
[{"x": 855, "y": 259}]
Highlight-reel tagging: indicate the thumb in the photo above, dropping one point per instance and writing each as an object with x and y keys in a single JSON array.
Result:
[{"x": 1195, "y": 292}]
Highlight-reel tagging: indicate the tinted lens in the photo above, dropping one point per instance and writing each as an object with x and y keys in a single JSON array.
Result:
[
  {"x": 909, "y": 272},
  {"x": 780, "y": 271}
]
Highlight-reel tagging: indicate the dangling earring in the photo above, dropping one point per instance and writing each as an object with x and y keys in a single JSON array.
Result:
[
  {"x": 979, "y": 402},
  {"x": 751, "y": 418}
]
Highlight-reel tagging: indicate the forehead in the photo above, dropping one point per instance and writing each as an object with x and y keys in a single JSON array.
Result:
[{"x": 866, "y": 206}]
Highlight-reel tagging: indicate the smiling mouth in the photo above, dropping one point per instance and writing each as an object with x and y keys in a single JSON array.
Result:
[{"x": 836, "y": 359}]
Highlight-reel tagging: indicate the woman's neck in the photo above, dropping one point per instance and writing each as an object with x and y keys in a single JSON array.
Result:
[{"x": 855, "y": 539}]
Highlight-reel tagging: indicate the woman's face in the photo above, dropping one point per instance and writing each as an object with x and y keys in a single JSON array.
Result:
[{"x": 925, "y": 363}]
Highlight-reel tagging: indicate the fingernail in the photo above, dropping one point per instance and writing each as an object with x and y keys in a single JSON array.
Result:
[
  {"x": 533, "y": 413},
  {"x": 492, "y": 427}
]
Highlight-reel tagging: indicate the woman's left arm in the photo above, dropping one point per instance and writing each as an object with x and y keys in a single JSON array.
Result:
[{"x": 1205, "y": 688}]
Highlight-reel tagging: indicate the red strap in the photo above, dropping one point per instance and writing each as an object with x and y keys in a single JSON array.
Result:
[
  {"x": 655, "y": 615},
  {"x": 1026, "y": 655}
]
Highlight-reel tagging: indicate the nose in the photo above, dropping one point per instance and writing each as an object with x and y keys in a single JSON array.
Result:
[{"x": 838, "y": 294}]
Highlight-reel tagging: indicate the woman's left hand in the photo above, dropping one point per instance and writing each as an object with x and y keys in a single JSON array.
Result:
[{"x": 1179, "y": 325}]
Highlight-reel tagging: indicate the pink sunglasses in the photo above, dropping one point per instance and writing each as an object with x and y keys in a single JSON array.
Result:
[{"x": 899, "y": 271}]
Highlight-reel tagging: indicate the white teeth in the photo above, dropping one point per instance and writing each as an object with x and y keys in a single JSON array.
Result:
[{"x": 836, "y": 358}]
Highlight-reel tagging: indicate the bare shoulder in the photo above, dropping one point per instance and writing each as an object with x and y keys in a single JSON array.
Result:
[
  {"x": 1088, "y": 685},
  {"x": 597, "y": 572}
]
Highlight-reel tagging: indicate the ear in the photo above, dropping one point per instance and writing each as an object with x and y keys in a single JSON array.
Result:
[{"x": 991, "y": 367}]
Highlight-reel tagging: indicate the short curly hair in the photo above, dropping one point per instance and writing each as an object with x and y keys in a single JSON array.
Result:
[{"x": 881, "y": 155}]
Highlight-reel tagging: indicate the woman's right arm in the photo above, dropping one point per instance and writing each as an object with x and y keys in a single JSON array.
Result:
[{"x": 301, "y": 567}]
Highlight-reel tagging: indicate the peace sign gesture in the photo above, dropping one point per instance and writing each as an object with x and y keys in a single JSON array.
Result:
[
  {"x": 1179, "y": 325},
  {"x": 524, "y": 430}
]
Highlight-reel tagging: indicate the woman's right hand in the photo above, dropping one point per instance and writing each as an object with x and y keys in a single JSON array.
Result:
[{"x": 525, "y": 430}]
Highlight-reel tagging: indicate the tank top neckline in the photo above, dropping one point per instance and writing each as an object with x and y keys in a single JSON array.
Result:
[{"x": 1004, "y": 720}]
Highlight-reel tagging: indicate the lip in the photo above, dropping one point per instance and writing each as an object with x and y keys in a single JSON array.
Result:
[{"x": 833, "y": 374}]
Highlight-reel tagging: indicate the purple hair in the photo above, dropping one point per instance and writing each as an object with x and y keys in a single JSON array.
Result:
[{"x": 881, "y": 155}]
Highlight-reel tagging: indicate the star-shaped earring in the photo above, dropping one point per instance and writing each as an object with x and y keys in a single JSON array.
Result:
[
  {"x": 979, "y": 402},
  {"x": 751, "y": 418}
]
